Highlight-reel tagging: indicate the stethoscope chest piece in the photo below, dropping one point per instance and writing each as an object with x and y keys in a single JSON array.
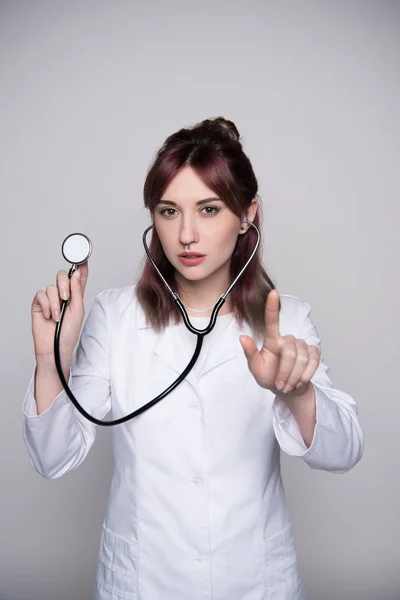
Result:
[{"x": 76, "y": 248}]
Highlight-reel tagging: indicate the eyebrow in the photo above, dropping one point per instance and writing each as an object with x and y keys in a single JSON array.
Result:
[{"x": 199, "y": 203}]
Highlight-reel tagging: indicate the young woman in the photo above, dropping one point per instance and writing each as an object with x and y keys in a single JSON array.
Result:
[{"x": 197, "y": 507}]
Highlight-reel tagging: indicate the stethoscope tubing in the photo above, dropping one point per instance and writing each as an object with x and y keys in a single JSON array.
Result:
[
  {"x": 133, "y": 414},
  {"x": 201, "y": 333}
]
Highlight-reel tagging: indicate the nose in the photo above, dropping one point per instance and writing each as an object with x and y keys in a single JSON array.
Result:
[{"x": 188, "y": 232}]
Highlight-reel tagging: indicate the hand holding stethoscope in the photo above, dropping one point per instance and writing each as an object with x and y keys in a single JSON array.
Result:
[{"x": 65, "y": 296}]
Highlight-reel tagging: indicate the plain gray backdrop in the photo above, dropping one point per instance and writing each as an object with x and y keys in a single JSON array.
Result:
[{"x": 89, "y": 91}]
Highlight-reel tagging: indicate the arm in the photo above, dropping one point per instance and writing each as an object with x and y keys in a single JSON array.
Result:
[
  {"x": 58, "y": 437},
  {"x": 321, "y": 426},
  {"x": 47, "y": 384},
  {"x": 303, "y": 408}
]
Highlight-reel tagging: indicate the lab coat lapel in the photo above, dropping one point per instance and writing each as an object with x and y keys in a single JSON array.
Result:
[
  {"x": 222, "y": 348},
  {"x": 170, "y": 349}
]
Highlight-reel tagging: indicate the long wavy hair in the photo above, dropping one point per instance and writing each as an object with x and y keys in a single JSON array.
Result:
[{"x": 212, "y": 148}]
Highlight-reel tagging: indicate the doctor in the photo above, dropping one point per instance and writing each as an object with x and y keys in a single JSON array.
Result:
[{"x": 197, "y": 508}]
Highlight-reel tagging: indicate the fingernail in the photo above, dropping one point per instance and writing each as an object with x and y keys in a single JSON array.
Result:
[
  {"x": 64, "y": 294},
  {"x": 78, "y": 274},
  {"x": 280, "y": 385},
  {"x": 57, "y": 315},
  {"x": 287, "y": 389}
]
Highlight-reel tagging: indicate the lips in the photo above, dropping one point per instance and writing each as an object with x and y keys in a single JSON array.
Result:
[
  {"x": 190, "y": 255},
  {"x": 191, "y": 260}
]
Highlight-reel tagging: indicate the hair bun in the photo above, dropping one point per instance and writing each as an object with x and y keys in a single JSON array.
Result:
[{"x": 224, "y": 127}]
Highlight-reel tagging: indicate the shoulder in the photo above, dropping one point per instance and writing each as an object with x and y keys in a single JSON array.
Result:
[
  {"x": 293, "y": 304},
  {"x": 122, "y": 304},
  {"x": 293, "y": 313},
  {"x": 118, "y": 300},
  {"x": 118, "y": 296}
]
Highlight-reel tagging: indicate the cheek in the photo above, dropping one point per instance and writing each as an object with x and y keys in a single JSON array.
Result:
[{"x": 225, "y": 244}]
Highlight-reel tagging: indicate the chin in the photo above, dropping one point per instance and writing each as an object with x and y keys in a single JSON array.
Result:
[
  {"x": 193, "y": 276},
  {"x": 191, "y": 273}
]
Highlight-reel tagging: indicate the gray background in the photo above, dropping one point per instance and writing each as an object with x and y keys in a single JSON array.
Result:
[{"x": 88, "y": 93}]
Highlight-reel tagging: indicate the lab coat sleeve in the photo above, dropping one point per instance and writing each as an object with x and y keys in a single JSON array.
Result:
[
  {"x": 338, "y": 441},
  {"x": 59, "y": 439}
]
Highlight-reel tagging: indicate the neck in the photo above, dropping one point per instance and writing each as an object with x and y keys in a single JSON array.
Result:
[{"x": 199, "y": 295}]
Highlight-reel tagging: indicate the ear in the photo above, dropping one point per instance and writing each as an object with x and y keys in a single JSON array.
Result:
[
  {"x": 251, "y": 211},
  {"x": 250, "y": 215}
]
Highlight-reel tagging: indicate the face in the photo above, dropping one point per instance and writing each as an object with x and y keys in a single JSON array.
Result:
[{"x": 190, "y": 218}]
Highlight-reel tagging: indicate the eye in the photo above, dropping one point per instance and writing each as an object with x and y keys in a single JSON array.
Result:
[
  {"x": 213, "y": 209},
  {"x": 166, "y": 212},
  {"x": 170, "y": 212}
]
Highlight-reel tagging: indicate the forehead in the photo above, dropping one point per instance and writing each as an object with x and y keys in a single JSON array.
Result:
[{"x": 186, "y": 186}]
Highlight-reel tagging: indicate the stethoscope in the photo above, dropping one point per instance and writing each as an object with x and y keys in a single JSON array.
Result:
[{"x": 76, "y": 249}]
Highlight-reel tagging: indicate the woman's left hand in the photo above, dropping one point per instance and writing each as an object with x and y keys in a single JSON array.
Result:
[{"x": 284, "y": 364}]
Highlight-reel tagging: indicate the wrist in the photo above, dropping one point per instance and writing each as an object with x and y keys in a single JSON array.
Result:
[
  {"x": 303, "y": 390},
  {"x": 46, "y": 363},
  {"x": 300, "y": 396}
]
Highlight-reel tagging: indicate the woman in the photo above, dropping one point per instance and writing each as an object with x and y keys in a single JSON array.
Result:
[{"x": 197, "y": 506}]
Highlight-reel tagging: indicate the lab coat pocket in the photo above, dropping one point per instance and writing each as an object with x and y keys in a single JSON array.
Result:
[
  {"x": 281, "y": 570},
  {"x": 116, "y": 570}
]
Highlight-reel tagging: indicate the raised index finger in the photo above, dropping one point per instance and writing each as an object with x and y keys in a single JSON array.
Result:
[{"x": 272, "y": 317}]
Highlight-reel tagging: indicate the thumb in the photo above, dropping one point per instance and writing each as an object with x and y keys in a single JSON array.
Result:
[{"x": 249, "y": 347}]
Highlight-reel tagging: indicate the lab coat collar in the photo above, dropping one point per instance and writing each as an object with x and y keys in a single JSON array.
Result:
[{"x": 221, "y": 350}]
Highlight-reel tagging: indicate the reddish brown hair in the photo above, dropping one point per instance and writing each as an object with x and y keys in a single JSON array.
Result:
[{"x": 213, "y": 150}]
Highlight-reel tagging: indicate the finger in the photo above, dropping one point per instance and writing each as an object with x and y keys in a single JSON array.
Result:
[
  {"x": 314, "y": 358},
  {"x": 54, "y": 300},
  {"x": 41, "y": 304},
  {"x": 287, "y": 361},
  {"x": 251, "y": 351},
  {"x": 63, "y": 284},
  {"x": 271, "y": 319},
  {"x": 249, "y": 346},
  {"x": 300, "y": 366},
  {"x": 76, "y": 300},
  {"x": 84, "y": 269}
]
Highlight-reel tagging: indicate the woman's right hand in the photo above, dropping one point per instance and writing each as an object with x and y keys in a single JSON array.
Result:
[{"x": 46, "y": 311}]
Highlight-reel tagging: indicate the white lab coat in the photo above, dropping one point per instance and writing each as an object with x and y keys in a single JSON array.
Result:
[{"x": 197, "y": 508}]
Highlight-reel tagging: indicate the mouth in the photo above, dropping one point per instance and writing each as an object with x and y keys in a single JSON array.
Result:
[{"x": 191, "y": 259}]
